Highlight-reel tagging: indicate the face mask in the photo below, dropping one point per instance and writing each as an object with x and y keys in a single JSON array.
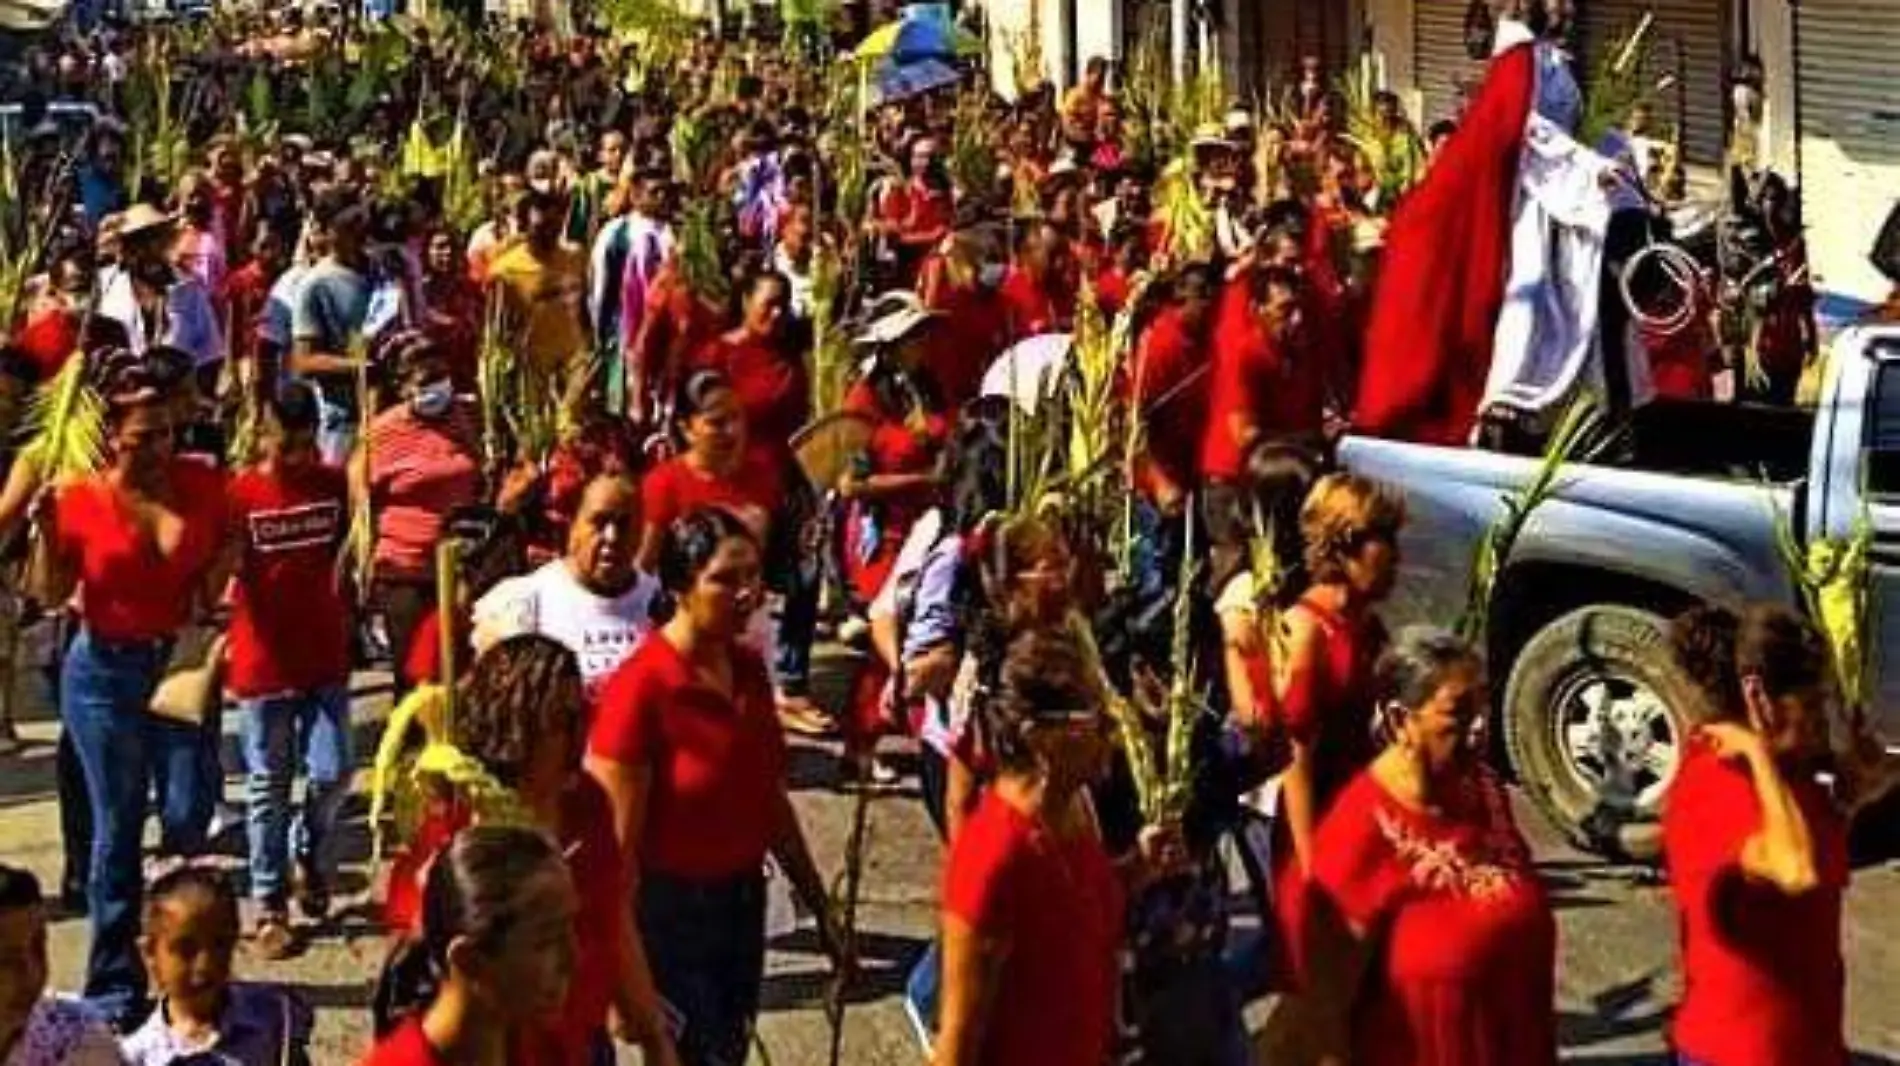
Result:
[
  {"x": 434, "y": 399},
  {"x": 990, "y": 275}
]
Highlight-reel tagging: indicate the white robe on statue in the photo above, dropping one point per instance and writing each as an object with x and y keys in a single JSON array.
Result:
[{"x": 1545, "y": 345}]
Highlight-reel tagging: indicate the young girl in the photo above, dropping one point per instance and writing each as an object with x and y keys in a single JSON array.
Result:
[
  {"x": 37, "y": 1029},
  {"x": 495, "y": 954},
  {"x": 191, "y": 930}
]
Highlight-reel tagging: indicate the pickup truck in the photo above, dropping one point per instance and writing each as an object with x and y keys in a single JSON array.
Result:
[{"x": 1591, "y": 711}]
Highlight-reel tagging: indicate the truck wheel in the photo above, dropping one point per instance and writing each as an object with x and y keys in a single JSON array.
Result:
[{"x": 1592, "y": 725}]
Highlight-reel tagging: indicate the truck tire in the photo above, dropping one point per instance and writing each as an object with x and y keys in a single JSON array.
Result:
[{"x": 1593, "y": 728}]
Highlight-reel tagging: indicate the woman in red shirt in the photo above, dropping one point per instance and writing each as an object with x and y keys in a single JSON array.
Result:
[
  {"x": 495, "y": 955},
  {"x": 1756, "y": 846},
  {"x": 1442, "y": 949},
  {"x": 889, "y": 487},
  {"x": 455, "y": 309},
  {"x": 768, "y": 378},
  {"x": 714, "y": 468},
  {"x": 141, "y": 537},
  {"x": 686, "y": 744},
  {"x": 421, "y": 463},
  {"x": 521, "y": 714},
  {"x": 1032, "y": 903},
  {"x": 1323, "y": 696}
]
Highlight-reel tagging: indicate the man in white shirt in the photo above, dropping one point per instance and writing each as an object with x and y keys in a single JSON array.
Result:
[
  {"x": 592, "y": 599},
  {"x": 155, "y": 302}
]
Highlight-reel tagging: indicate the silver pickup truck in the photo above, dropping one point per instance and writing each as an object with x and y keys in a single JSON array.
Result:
[{"x": 1588, "y": 700}]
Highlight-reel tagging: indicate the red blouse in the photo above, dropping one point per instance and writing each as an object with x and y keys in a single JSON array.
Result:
[
  {"x": 718, "y": 762},
  {"x": 1465, "y": 974},
  {"x": 1059, "y": 907},
  {"x": 1763, "y": 977},
  {"x": 674, "y": 489},
  {"x": 771, "y": 386},
  {"x": 127, "y": 589},
  {"x": 1328, "y": 708}
]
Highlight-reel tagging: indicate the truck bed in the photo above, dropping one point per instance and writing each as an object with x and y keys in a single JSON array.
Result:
[{"x": 1709, "y": 536}]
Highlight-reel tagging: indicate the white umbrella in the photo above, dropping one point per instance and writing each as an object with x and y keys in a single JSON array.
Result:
[{"x": 1029, "y": 371}]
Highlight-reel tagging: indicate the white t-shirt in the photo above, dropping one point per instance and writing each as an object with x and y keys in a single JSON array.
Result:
[{"x": 600, "y": 631}]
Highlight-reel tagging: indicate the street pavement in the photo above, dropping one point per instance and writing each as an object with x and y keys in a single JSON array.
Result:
[{"x": 1616, "y": 971}]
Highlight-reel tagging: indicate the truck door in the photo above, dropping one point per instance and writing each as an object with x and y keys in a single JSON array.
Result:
[{"x": 1857, "y": 461}]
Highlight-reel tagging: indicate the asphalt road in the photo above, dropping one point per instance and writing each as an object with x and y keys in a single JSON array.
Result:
[{"x": 1616, "y": 972}]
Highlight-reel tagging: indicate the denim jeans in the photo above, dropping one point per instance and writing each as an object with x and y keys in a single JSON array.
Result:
[
  {"x": 336, "y": 428},
  {"x": 312, "y": 728},
  {"x": 125, "y": 752},
  {"x": 923, "y": 993},
  {"x": 705, "y": 941}
]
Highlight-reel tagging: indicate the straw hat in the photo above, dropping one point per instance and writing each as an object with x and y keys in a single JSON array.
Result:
[
  {"x": 144, "y": 218},
  {"x": 892, "y": 317}
]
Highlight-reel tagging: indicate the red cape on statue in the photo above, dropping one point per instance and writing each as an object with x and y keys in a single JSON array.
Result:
[{"x": 1436, "y": 304}]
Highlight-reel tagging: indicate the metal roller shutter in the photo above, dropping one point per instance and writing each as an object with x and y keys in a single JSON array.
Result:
[
  {"x": 1446, "y": 74},
  {"x": 1688, "y": 39},
  {"x": 1850, "y": 136}
]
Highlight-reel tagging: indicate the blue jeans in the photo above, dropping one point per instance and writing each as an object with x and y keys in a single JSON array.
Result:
[
  {"x": 336, "y": 429},
  {"x": 125, "y": 752},
  {"x": 705, "y": 941},
  {"x": 279, "y": 732}
]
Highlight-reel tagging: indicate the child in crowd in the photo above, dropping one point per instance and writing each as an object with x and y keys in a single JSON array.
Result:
[
  {"x": 37, "y": 1029},
  {"x": 202, "y": 1017},
  {"x": 495, "y": 954}
]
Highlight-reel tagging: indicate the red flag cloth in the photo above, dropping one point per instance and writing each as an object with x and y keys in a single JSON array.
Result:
[{"x": 1428, "y": 334}]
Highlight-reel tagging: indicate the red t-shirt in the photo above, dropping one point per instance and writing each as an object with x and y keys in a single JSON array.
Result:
[
  {"x": 1283, "y": 392},
  {"x": 47, "y": 339},
  {"x": 1762, "y": 972},
  {"x": 718, "y": 763},
  {"x": 674, "y": 489},
  {"x": 407, "y": 1046},
  {"x": 771, "y": 387},
  {"x": 1162, "y": 383},
  {"x": 246, "y": 293},
  {"x": 971, "y": 330},
  {"x": 290, "y": 627},
  {"x": 1059, "y": 907},
  {"x": 1032, "y": 308},
  {"x": 420, "y": 470},
  {"x": 594, "y": 862},
  {"x": 1466, "y": 969},
  {"x": 127, "y": 590}
]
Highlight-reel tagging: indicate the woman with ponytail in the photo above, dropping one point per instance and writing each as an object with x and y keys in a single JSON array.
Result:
[
  {"x": 494, "y": 956},
  {"x": 1756, "y": 845},
  {"x": 686, "y": 744}
]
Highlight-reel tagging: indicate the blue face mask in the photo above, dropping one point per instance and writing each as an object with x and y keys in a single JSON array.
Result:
[
  {"x": 990, "y": 275},
  {"x": 434, "y": 399}
]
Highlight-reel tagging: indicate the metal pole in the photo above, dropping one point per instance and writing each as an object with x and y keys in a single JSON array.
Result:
[{"x": 1178, "y": 22}]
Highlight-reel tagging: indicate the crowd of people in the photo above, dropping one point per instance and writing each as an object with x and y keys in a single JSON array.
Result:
[{"x": 691, "y": 354}]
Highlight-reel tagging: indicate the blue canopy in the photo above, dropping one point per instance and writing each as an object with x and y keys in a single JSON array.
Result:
[{"x": 897, "y": 81}]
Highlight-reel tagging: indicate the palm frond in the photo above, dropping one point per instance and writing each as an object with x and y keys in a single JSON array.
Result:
[
  {"x": 65, "y": 425},
  {"x": 1617, "y": 83},
  {"x": 1580, "y": 421}
]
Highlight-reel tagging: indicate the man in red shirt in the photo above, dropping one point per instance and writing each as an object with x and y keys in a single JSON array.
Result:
[
  {"x": 1039, "y": 293},
  {"x": 246, "y": 293},
  {"x": 290, "y": 659},
  {"x": 1269, "y": 379},
  {"x": 1169, "y": 384},
  {"x": 961, "y": 284}
]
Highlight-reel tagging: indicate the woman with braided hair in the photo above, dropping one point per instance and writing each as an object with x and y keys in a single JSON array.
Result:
[{"x": 521, "y": 714}]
